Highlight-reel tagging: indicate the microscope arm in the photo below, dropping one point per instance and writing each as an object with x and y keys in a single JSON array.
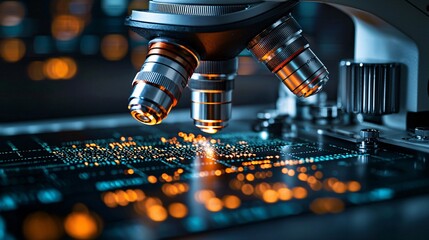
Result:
[{"x": 394, "y": 32}]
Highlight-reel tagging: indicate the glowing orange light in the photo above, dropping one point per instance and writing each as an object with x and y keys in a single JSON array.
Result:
[
  {"x": 261, "y": 188},
  {"x": 240, "y": 177},
  {"x": 66, "y": 27},
  {"x": 109, "y": 199},
  {"x": 131, "y": 194},
  {"x": 170, "y": 190},
  {"x": 353, "y": 186},
  {"x": 247, "y": 189},
  {"x": 41, "y": 225},
  {"x": 82, "y": 224},
  {"x": 299, "y": 192},
  {"x": 114, "y": 47},
  {"x": 152, "y": 201},
  {"x": 250, "y": 177},
  {"x": 311, "y": 180},
  {"x": 178, "y": 210},
  {"x": 60, "y": 68},
  {"x": 130, "y": 171},
  {"x": 339, "y": 187},
  {"x": 214, "y": 204},
  {"x": 291, "y": 172},
  {"x": 152, "y": 179},
  {"x": 327, "y": 205},
  {"x": 121, "y": 198},
  {"x": 318, "y": 174},
  {"x": 302, "y": 177},
  {"x": 12, "y": 50},
  {"x": 203, "y": 196},
  {"x": 218, "y": 172},
  {"x": 11, "y": 13},
  {"x": 270, "y": 196},
  {"x": 285, "y": 194},
  {"x": 35, "y": 71},
  {"x": 157, "y": 213},
  {"x": 231, "y": 201}
]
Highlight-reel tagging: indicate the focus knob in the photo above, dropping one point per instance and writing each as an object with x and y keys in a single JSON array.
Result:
[{"x": 369, "y": 88}]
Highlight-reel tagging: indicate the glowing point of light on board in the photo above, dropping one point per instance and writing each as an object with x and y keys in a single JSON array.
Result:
[
  {"x": 203, "y": 196},
  {"x": 82, "y": 224},
  {"x": 299, "y": 192},
  {"x": 214, "y": 204},
  {"x": 178, "y": 210},
  {"x": 327, "y": 205},
  {"x": 284, "y": 194},
  {"x": 353, "y": 186},
  {"x": 231, "y": 201},
  {"x": 41, "y": 225},
  {"x": 12, "y": 49},
  {"x": 157, "y": 213},
  {"x": 270, "y": 196}
]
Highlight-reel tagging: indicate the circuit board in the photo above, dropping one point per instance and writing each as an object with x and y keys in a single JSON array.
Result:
[{"x": 163, "y": 182}]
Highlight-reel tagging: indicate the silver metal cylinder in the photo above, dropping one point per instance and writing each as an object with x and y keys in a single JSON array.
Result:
[
  {"x": 212, "y": 84},
  {"x": 369, "y": 87},
  {"x": 285, "y": 52},
  {"x": 161, "y": 80}
]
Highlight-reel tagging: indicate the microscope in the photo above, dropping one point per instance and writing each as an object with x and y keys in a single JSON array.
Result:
[{"x": 195, "y": 43}]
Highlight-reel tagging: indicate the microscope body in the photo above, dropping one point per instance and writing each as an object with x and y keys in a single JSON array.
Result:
[{"x": 395, "y": 31}]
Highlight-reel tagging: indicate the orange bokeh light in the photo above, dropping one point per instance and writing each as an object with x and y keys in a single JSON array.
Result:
[
  {"x": 60, "y": 68},
  {"x": 157, "y": 213},
  {"x": 12, "y": 50},
  {"x": 178, "y": 210},
  {"x": 81, "y": 224},
  {"x": 231, "y": 201},
  {"x": 66, "y": 27},
  {"x": 214, "y": 204},
  {"x": 114, "y": 47},
  {"x": 41, "y": 225}
]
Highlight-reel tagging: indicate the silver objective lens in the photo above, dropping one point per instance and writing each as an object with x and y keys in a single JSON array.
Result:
[
  {"x": 212, "y": 84},
  {"x": 161, "y": 80},
  {"x": 285, "y": 52}
]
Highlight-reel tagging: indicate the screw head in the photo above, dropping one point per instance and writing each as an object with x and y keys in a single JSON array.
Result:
[{"x": 369, "y": 133}]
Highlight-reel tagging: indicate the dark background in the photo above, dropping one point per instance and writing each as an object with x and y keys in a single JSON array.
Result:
[{"x": 42, "y": 41}]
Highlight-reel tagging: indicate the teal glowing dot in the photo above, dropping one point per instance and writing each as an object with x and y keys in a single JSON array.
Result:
[{"x": 49, "y": 196}]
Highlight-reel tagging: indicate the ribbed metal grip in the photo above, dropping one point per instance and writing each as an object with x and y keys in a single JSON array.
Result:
[
  {"x": 369, "y": 88},
  {"x": 192, "y": 9}
]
